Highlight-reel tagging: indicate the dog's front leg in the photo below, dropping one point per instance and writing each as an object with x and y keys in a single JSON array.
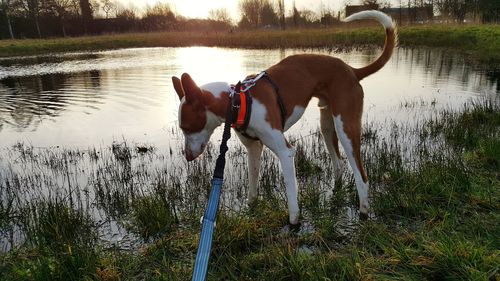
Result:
[
  {"x": 286, "y": 154},
  {"x": 254, "y": 149},
  {"x": 288, "y": 166}
]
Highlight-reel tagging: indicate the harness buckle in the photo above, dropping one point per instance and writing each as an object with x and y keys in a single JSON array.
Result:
[{"x": 247, "y": 86}]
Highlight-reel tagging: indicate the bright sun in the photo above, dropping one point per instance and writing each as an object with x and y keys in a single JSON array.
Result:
[{"x": 200, "y": 8}]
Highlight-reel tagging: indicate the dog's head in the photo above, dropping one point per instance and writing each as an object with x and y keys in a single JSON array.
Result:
[{"x": 196, "y": 121}]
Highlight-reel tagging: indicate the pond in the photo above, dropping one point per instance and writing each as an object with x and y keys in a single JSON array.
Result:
[
  {"x": 88, "y": 99},
  {"x": 71, "y": 125}
]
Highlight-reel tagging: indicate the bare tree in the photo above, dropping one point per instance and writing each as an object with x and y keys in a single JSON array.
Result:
[
  {"x": 61, "y": 9},
  {"x": 281, "y": 13},
  {"x": 129, "y": 14},
  {"x": 160, "y": 16},
  {"x": 87, "y": 14},
  {"x": 32, "y": 10},
  {"x": 250, "y": 10},
  {"x": 6, "y": 6},
  {"x": 308, "y": 16},
  {"x": 255, "y": 13},
  {"x": 454, "y": 9},
  {"x": 296, "y": 15},
  {"x": 107, "y": 6},
  {"x": 267, "y": 15},
  {"x": 220, "y": 14},
  {"x": 489, "y": 10}
]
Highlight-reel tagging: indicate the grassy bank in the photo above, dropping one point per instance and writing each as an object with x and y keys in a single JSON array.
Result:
[
  {"x": 480, "y": 41},
  {"x": 435, "y": 192}
]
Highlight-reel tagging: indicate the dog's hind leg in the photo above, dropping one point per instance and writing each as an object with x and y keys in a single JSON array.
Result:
[
  {"x": 348, "y": 127},
  {"x": 254, "y": 149},
  {"x": 331, "y": 139}
]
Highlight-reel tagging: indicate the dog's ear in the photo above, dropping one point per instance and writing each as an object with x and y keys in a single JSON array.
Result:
[
  {"x": 178, "y": 87},
  {"x": 191, "y": 90}
]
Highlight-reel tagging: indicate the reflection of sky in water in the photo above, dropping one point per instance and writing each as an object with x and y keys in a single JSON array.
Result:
[{"x": 88, "y": 99}]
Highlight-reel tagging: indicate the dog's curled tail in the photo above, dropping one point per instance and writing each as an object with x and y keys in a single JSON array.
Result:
[{"x": 390, "y": 41}]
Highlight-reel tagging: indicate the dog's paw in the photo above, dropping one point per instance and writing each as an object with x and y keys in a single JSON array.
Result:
[
  {"x": 295, "y": 228},
  {"x": 301, "y": 228},
  {"x": 363, "y": 216},
  {"x": 290, "y": 229}
]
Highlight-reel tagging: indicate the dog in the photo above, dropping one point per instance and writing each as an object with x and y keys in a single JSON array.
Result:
[{"x": 298, "y": 78}]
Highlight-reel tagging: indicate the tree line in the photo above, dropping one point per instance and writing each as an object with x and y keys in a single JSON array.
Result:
[
  {"x": 52, "y": 18},
  {"x": 486, "y": 11}
]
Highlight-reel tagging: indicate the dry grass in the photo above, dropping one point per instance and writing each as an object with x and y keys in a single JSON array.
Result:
[{"x": 480, "y": 41}]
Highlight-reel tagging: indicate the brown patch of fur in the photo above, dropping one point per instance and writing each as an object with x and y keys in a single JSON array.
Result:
[
  {"x": 217, "y": 105},
  {"x": 193, "y": 117},
  {"x": 178, "y": 87}
]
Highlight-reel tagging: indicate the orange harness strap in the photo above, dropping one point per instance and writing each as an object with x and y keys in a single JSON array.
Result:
[{"x": 243, "y": 110}]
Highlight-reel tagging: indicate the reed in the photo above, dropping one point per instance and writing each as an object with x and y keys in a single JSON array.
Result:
[{"x": 435, "y": 193}]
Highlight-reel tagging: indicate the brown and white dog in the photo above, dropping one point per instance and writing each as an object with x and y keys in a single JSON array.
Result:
[{"x": 299, "y": 78}]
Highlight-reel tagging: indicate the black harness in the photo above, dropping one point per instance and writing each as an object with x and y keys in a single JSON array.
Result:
[{"x": 241, "y": 99}]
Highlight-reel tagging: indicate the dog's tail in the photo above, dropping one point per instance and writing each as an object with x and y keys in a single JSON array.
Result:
[{"x": 391, "y": 41}]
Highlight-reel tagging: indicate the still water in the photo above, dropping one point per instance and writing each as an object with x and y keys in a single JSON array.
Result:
[
  {"x": 60, "y": 114},
  {"x": 94, "y": 98}
]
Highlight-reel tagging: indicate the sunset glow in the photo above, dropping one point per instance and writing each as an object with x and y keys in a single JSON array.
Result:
[{"x": 201, "y": 8}]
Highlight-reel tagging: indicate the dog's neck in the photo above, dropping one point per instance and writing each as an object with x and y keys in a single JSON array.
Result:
[
  {"x": 217, "y": 105},
  {"x": 216, "y": 99}
]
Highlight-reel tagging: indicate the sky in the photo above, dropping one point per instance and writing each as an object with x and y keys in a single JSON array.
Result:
[{"x": 200, "y": 8}]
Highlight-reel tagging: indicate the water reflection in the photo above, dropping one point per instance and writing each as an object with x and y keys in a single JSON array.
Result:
[
  {"x": 493, "y": 75},
  {"x": 27, "y": 101},
  {"x": 86, "y": 99}
]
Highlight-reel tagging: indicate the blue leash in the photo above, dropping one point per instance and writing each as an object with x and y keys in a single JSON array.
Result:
[
  {"x": 208, "y": 226},
  {"x": 207, "y": 231}
]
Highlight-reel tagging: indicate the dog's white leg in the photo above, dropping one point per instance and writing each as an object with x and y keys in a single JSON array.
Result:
[
  {"x": 286, "y": 154},
  {"x": 331, "y": 140},
  {"x": 350, "y": 137},
  {"x": 254, "y": 149},
  {"x": 288, "y": 166},
  {"x": 275, "y": 140}
]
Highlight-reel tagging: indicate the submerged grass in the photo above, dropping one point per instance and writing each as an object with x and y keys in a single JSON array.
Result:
[
  {"x": 435, "y": 192},
  {"x": 480, "y": 41}
]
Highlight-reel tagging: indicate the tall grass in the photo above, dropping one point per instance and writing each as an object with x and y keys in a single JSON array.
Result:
[
  {"x": 60, "y": 243},
  {"x": 435, "y": 193}
]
